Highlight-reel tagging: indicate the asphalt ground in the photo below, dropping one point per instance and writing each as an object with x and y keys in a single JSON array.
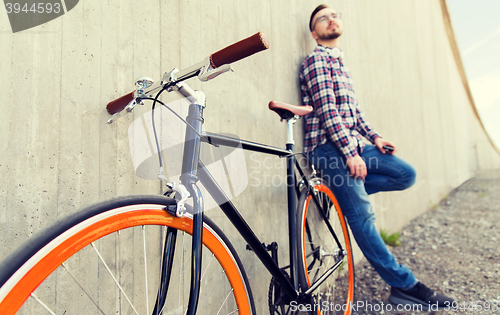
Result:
[{"x": 452, "y": 248}]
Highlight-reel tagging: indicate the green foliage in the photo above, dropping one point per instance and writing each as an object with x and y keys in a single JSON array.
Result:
[{"x": 390, "y": 239}]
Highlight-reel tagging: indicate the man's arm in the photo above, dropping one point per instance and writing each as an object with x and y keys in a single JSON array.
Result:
[
  {"x": 364, "y": 127},
  {"x": 367, "y": 131}
]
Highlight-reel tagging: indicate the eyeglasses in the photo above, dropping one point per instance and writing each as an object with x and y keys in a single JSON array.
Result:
[{"x": 326, "y": 18}]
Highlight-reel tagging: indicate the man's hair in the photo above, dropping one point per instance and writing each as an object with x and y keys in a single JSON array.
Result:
[{"x": 318, "y": 8}]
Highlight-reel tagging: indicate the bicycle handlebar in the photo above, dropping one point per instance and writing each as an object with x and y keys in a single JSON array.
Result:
[
  {"x": 237, "y": 51},
  {"x": 240, "y": 50}
]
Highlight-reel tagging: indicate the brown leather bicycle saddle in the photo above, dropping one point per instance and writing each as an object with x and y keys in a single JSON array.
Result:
[{"x": 287, "y": 111}]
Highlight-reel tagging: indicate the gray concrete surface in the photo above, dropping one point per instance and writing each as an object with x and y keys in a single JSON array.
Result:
[{"x": 57, "y": 153}]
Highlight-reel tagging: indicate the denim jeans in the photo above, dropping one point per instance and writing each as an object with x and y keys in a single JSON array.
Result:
[{"x": 386, "y": 172}]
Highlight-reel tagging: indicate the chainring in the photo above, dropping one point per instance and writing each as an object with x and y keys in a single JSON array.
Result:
[{"x": 279, "y": 303}]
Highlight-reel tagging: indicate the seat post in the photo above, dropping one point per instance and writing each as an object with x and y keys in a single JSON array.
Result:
[{"x": 290, "y": 122}]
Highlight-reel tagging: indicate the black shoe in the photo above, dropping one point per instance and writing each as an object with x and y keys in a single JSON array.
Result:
[{"x": 420, "y": 295}]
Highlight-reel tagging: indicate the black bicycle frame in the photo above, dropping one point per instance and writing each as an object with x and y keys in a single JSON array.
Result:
[
  {"x": 237, "y": 220},
  {"x": 193, "y": 170}
]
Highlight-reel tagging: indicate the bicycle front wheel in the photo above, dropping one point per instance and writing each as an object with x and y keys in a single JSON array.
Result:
[
  {"x": 321, "y": 251},
  {"x": 107, "y": 260}
]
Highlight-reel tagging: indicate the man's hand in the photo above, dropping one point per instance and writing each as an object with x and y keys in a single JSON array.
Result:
[
  {"x": 379, "y": 143},
  {"x": 357, "y": 167}
]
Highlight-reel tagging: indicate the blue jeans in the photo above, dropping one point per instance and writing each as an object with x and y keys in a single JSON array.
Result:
[{"x": 385, "y": 173}]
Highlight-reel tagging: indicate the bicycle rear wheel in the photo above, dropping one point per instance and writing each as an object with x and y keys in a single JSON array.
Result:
[
  {"x": 318, "y": 251},
  {"x": 107, "y": 260}
]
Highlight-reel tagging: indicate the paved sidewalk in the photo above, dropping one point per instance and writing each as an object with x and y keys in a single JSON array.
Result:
[{"x": 453, "y": 248}]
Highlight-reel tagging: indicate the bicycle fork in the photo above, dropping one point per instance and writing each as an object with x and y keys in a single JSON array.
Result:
[{"x": 189, "y": 179}]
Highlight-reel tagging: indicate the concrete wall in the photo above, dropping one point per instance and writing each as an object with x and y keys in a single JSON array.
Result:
[{"x": 57, "y": 153}]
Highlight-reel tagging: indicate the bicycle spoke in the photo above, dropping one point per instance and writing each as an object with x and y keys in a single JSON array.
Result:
[
  {"x": 162, "y": 250},
  {"x": 323, "y": 239},
  {"x": 220, "y": 309},
  {"x": 178, "y": 280},
  {"x": 95, "y": 266},
  {"x": 114, "y": 279},
  {"x": 181, "y": 274},
  {"x": 205, "y": 272},
  {"x": 211, "y": 289},
  {"x": 312, "y": 243},
  {"x": 81, "y": 287},
  {"x": 42, "y": 304},
  {"x": 311, "y": 265},
  {"x": 145, "y": 267},
  {"x": 203, "y": 275}
]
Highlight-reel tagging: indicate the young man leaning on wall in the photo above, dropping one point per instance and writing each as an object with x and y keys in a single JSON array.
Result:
[{"x": 333, "y": 133}]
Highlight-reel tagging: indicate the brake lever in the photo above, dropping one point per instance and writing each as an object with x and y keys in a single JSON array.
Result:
[{"x": 209, "y": 75}]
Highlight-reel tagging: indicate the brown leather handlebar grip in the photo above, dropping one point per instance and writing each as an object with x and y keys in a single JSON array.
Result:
[
  {"x": 240, "y": 50},
  {"x": 119, "y": 104}
]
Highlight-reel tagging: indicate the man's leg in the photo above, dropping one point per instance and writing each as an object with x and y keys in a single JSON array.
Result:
[
  {"x": 353, "y": 199},
  {"x": 386, "y": 172}
]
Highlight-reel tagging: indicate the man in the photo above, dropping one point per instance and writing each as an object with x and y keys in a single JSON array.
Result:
[{"x": 354, "y": 169}]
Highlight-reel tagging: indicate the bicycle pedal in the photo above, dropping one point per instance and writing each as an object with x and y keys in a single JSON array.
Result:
[{"x": 269, "y": 247}]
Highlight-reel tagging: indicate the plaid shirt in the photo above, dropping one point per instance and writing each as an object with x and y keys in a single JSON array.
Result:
[{"x": 326, "y": 84}]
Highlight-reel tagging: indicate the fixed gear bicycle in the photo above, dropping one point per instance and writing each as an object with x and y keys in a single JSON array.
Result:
[{"x": 158, "y": 255}]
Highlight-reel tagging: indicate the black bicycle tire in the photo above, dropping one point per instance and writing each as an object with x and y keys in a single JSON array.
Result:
[
  {"x": 302, "y": 271},
  {"x": 19, "y": 257}
]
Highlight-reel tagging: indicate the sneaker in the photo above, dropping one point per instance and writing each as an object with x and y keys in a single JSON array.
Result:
[{"x": 420, "y": 294}]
